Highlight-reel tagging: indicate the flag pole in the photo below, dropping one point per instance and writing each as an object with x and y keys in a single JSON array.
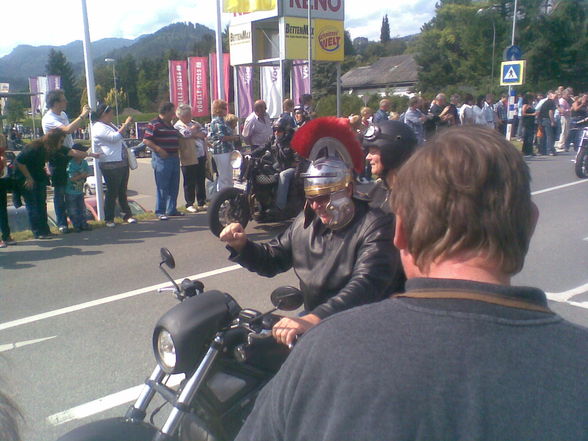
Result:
[
  {"x": 219, "y": 52},
  {"x": 91, "y": 88}
]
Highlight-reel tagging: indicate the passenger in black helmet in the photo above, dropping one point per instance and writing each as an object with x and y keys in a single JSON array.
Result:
[{"x": 389, "y": 144}]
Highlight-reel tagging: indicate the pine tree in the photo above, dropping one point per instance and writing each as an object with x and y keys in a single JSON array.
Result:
[
  {"x": 57, "y": 64},
  {"x": 385, "y": 32}
]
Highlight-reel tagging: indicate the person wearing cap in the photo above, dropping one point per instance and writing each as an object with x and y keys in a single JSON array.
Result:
[
  {"x": 300, "y": 116},
  {"x": 114, "y": 164},
  {"x": 77, "y": 172},
  {"x": 389, "y": 145},
  {"x": 339, "y": 248}
]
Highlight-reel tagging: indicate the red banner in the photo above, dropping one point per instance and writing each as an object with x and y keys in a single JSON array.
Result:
[
  {"x": 178, "y": 82},
  {"x": 226, "y": 74},
  {"x": 199, "y": 96}
]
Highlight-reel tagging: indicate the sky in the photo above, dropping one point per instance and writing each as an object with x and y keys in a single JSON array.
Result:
[{"x": 37, "y": 23}]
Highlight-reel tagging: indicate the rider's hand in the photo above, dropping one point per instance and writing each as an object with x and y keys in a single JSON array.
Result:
[
  {"x": 234, "y": 235},
  {"x": 286, "y": 330}
]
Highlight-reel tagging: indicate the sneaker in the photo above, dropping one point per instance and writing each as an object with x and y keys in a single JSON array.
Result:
[
  {"x": 131, "y": 220},
  {"x": 64, "y": 230},
  {"x": 163, "y": 217},
  {"x": 191, "y": 209},
  {"x": 202, "y": 206},
  {"x": 110, "y": 224},
  {"x": 3, "y": 244}
]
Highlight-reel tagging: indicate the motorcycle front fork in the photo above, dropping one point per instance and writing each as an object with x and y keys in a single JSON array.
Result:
[{"x": 181, "y": 403}]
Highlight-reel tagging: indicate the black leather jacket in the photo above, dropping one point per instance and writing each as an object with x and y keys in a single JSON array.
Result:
[{"x": 337, "y": 269}]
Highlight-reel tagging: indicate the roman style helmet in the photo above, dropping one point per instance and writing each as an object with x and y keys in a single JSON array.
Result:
[{"x": 334, "y": 151}]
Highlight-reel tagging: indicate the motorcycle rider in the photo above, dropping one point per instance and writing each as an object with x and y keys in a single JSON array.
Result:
[
  {"x": 389, "y": 145},
  {"x": 340, "y": 249},
  {"x": 300, "y": 116},
  {"x": 286, "y": 161}
]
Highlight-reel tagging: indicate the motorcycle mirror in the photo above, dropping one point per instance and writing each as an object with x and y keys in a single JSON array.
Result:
[
  {"x": 236, "y": 159},
  {"x": 287, "y": 298},
  {"x": 167, "y": 258}
]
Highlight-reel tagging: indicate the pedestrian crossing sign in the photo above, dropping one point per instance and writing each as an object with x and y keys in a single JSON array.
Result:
[{"x": 513, "y": 73}]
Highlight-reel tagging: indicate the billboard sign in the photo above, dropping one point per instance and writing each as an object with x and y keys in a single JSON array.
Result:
[
  {"x": 325, "y": 9},
  {"x": 241, "y": 44},
  {"x": 328, "y": 39}
]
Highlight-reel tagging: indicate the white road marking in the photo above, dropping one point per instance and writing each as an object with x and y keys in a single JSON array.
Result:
[
  {"x": 114, "y": 298},
  {"x": 104, "y": 403},
  {"x": 586, "y": 239},
  {"x": 564, "y": 296},
  {"x": 20, "y": 344},
  {"x": 557, "y": 187}
]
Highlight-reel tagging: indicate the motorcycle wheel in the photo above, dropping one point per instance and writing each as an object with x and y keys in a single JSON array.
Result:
[
  {"x": 228, "y": 206},
  {"x": 582, "y": 163},
  {"x": 112, "y": 429}
]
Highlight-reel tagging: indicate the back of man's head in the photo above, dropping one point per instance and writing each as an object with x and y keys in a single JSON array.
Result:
[{"x": 466, "y": 193}]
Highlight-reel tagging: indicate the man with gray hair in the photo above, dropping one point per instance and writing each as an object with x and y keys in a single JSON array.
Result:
[
  {"x": 257, "y": 130},
  {"x": 382, "y": 113},
  {"x": 192, "y": 158}
]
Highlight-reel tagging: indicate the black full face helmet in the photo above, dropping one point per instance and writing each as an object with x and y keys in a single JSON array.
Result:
[
  {"x": 395, "y": 140},
  {"x": 284, "y": 126}
]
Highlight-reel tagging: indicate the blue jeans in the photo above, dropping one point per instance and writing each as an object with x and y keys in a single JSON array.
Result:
[
  {"x": 549, "y": 136},
  {"x": 60, "y": 205},
  {"x": 167, "y": 181},
  {"x": 283, "y": 186},
  {"x": 76, "y": 209},
  {"x": 36, "y": 202}
]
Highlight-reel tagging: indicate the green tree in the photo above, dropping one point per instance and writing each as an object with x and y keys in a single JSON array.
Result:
[
  {"x": 127, "y": 76},
  {"x": 57, "y": 64},
  {"x": 385, "y": 30},
  {"x": 15, "y": 110},
  {"x": 327, "y": 106},
  {"x": 348, "y": 44}
]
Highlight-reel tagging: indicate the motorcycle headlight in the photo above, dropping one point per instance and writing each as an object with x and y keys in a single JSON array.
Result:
[{"x": 166, "y": 350}]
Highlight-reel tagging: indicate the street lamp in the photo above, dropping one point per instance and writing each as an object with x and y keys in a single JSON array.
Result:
[
  {"x": 113, "y": 62},
  {"x": 480, "y": 12}
]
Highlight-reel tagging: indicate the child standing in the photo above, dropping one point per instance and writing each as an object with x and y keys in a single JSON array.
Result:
[{"x": 77, "y": 172}]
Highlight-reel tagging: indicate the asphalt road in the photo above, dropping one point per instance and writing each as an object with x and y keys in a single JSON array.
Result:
[{"x": 77, "y": 311}]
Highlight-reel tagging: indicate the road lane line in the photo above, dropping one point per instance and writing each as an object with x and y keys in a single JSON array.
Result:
[
  {"x": 557, "y": 187},
  {"x": 564, "y": 296},
  {"x": 20, "y": 344},
  {"x": 114, "y": 298},
  {"x": 105, "y": 403}
]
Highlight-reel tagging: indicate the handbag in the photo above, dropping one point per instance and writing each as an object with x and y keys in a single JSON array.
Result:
[{"x": 131, "y": 158}]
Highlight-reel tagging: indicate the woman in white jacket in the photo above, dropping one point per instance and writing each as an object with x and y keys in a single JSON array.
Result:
[{"x": 114, "y": 164}]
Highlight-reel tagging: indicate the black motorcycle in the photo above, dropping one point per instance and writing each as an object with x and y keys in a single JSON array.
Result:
[
  {"x": 227, "y": 355},
  {"x": 581, "y": 162},
  {"x": 254, "y": 194}
]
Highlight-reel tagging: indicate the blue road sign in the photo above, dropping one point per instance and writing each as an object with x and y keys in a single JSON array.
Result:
[
  {"x": 512, "y": 53},
  {"x": 512, "y": 73}
]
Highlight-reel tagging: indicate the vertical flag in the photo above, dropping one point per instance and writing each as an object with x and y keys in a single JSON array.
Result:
[
  {"x": 35, "y": 101},
  {"x": 53, "y": 82},
  {"x": 4, "y": 87},
  {"x": 300, "y": 79},
  {"x": 245, "y": 90},
  {"x": 42, "y": 87},
  {"x": 248, "y": 5},
  {"x": 226, "y": 75},
  {"x": 199, "y": 97},
  {"x": 271, "y": 89},
  {"x": 178, "y": 82}
]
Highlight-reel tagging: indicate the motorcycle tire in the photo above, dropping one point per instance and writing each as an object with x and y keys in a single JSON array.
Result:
[
  {"x": 228, "y": 206},
  {"x": 112, "y": 429},
  {"x": 582, "y": 163}
]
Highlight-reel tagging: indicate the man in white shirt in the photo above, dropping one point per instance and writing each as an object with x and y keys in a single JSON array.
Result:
[
  {"x": 56, "y": 118},
  {"x": 257, "y": 130}
]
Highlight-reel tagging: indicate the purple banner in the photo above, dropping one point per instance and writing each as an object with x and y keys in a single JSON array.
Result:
[
  {"x": 53, "y": 82},
  {"x": 35, "y": 99},
  {"x": 300, "y": 79},
  {"x": 244, "y": 90}
]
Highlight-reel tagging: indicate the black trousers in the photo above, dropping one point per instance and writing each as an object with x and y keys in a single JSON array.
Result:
[
  {"x": 116, "y": 188},
  {"x": 4, "y": 228},
  {"x": 194, "y": 177}
]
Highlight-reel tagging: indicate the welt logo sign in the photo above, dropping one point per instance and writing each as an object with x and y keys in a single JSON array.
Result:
[{"x": 329, "y": 39}]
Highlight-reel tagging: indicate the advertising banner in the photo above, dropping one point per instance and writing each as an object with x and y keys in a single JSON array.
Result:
[
  {"x": 325, "y": 9},
  {"x": 199, "y": 96},
  {"x": 248, "y": 5},
  {"x": 241, "y": 44},
  {"x": 4, "y": 87},
  {"x": 328, "y": 39},
  {"x": 53, "y": 82},
  {"x": 244, "y": 90},
  {"x": 300, "y": 79},
  {"x": 271, "y": 89},
  {"x": 35, "y": 99},
  {"x": 226, "y": 75},
  {"x": 42, "y": 87},
  {"x": 178, "y": 82}
]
